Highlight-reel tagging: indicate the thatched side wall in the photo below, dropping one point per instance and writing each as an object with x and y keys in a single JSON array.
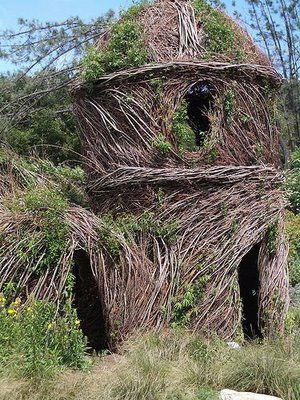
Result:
[
  {"x": 151, "y": 275},
  {"x": 224, "y": 197}
]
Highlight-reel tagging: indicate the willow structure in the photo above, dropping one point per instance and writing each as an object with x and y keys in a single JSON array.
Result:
[
  {"x": 190, "y": 137},
  {"x": 176, "y": 113}
]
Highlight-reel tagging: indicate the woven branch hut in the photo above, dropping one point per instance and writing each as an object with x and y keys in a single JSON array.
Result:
[
  {"x": 177, "y": 114},
  {"x": 182, "y": 127}
]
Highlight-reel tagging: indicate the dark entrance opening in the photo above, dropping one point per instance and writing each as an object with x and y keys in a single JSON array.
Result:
[
  {"x": 87, "y": 302},
  {"x": 200, "y": 100},
  {"x": 249, "y": 290}
]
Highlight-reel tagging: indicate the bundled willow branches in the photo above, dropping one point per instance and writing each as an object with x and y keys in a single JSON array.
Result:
[{"x": 170, "y": 226}]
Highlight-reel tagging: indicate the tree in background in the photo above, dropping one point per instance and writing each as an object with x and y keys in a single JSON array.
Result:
[
  {"x": 35, "y": 105},
  {"x": 276, "y": 26}
]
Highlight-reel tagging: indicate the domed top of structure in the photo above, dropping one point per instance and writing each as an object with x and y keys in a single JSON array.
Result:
[
  {"x": 171, "y": 31},
  {"x": 177, "y": 82},
  {"x": 192, "y": 29}
]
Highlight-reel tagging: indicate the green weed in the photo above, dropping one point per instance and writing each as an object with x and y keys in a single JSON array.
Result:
[{"x": 35, "y": 342}]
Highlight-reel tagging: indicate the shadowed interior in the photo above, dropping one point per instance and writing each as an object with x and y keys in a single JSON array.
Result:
[
  {"x": 199, "y": 102},
  {"x": 249, "y": 291},
  {"x": 87, "y": 302}
]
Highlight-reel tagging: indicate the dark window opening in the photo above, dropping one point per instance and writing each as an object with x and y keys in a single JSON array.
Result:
[
  {"x": 249, "y": 291},
  {"x": 200, "y": 100},
  {"x": 87, "y": 302}
]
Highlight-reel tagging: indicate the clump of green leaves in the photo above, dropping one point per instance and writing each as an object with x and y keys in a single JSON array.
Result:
[
  {"x": 135, "y": 9},
  {"x": 162, "y": 144},
  {"x": 107, "y": 234},
  {"x": 129, "y": 227},
  {"x": 180, "y": 126},
  {"x": 125, "y": 48},
  {"x": 68, "y": 180},
  {"x": 221, "y": 37},
  {"x": 293, "y": 232},
  {"x": 45, "y": 202},
  {"x": 185, "y": 308},
  {"x": 156, "y": 85},
  {"x": 71, "y": 180},
  {"x": 229, "y": 103},
  {"x": 35, "y": 342},
  {"x": 46, "y": 207}
]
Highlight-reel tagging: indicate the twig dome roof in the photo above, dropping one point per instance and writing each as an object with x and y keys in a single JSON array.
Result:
[{"x": 184, "y": 30}]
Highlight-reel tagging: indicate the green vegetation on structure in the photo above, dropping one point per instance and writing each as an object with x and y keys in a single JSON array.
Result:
[
  {"x": 184, "y": 133},
  {"x": 46, "y": 207},
  {"x": 156, "y": 85},
  {"x": 185, "y": 308},
  {"x": 229, "y": 103},
  {"x": 272, "y": 238},
  {"x": 221, "y": 38},
  {"x": 129, "y": 226},
  {"x": 162, "y": 144},
  {"x": 35, "y": 342},
  {"x": 67, "y": 180},
  {"x": 125, "y": 48}
]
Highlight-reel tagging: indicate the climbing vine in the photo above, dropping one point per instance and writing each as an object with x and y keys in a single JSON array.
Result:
[{"x": 185, "y": 307}]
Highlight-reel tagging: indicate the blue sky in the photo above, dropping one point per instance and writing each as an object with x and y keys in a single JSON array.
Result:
[
  {"x": 55, "y": 10},
  {"x": 52, "y": 10}
]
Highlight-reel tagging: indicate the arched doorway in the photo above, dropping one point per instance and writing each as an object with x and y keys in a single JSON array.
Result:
[
  {"x": 87, "y": 302},
  {"x": 248, "y": 277}
]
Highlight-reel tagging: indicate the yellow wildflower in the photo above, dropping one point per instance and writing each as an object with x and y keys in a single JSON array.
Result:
[
  {"x": 2, "y": 300},
  {"x": 50, "y": 326},
  {"x": 11, "y": 311},
  {"x": 17, "y": 302},
  {"x": 77, "y": 322}
]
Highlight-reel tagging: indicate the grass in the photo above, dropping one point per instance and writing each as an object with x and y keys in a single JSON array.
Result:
[{"x": 175, "y": 364}]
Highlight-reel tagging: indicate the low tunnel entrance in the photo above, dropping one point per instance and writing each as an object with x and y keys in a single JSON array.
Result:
[
  {"x": 87, "y": 302},
  {"x": 248, "y": 277}
]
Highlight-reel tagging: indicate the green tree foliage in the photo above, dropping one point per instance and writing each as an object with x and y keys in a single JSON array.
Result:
[
  {"x": 293, "y": 232},
  {"x": 35, "y": 105},
  {"x": 47, "y": 128},
  {"x": 292, "y": 187},
  {"x": 276, "y": 26},
  {"x": 292, "y": 184}
]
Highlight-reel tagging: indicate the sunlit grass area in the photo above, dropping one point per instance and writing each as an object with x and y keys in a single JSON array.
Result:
[{"x": 175, "y": 364}]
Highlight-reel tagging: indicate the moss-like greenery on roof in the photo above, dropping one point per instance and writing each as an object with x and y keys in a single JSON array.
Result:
[
  {"x": 125, "y": 48},
  {"x": 221, "y": 38}
]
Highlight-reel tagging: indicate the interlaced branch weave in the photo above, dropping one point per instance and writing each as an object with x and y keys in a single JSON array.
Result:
[{"x": 205, "y": 208}]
